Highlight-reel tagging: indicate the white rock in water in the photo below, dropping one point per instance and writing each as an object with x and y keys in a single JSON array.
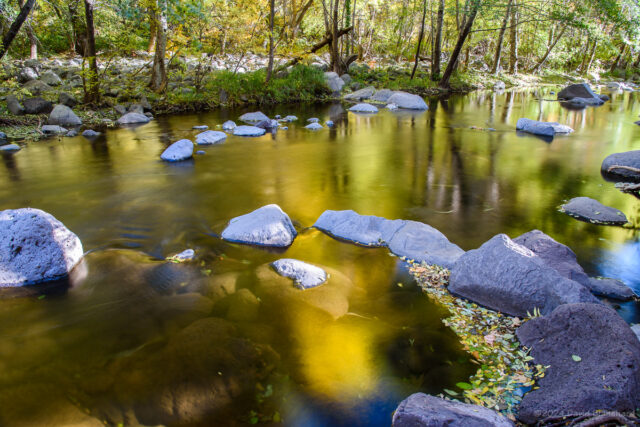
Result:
[
  {"x": 179, "y": 150},
  {"x": 248, "y": 131},
  {"x": 305, "y": 275},
  {"x": 266, "y": 226},
  {"x": 201, "y": 127},
  {"x": 314, "y": 126},
  {"x": 391, "y": 107},
  {"x": 228, "y": 125},
  {"x": 210, "y": 137},
  {"x": 256, "y": 116},
  {"x": 133, "y": 118},
  {"x": 407, "y": 101},
  {"x": 363, "y": 108},
  {"x": 35, "y": 247},
  {"x": 10, "y": 147},
  {"x": 186, "y": 255},
  {"x": 290, "y": 119}
]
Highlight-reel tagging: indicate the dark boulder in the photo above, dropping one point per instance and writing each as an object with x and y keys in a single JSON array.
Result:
[
  {"x": 622, "y": 166},
  {"x": 37, "y": 105},
  {"x": 580, "y": 90},
  {"x": 593, "y": 358},
  {"x": 14, "y": 106},
  {"x": 510, "y": 278},
  {"x": 68, "y": 100},
  {"x": 610, "y": 288},
  {"x": 589, "y": 210},
  {"x": 421, "y": 409}
]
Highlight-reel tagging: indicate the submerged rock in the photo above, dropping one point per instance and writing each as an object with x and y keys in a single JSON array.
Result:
[
  {"x": 593, "y": 358},
  {"x": 590, "y": 210},
  {"x": 364, "y": 108},
  {"x": 304, "y": 275},
  {"x": 210, "y": 137},
  {"x": 510, "y": 278},
  {"x": 407, "y": 101},
  {"x": 248, "y": 131},
  {"x": 622, "y": 166},
  {"x": 542, "y": 128},
  {"x": 610, "y": 288},
  {"x": 133, "y": 118},
  {"x": 266, "y": 226},
  {"x": 421, "y": 409},
  {"x": 178, "y": 151},
  {"x": 254, "y": 117},
  {"x": 35, "y": 247}
]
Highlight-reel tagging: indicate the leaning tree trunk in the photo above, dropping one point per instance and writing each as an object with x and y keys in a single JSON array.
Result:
[
  {"x": 591, "y": 56},
  {"x": 513, "y": 39},
  {"x": 420, "y": 37},
  {"x": 270, "y": 65},
  {"x": 549, "y": 49},
  {"x": 437, "y": 51},
  {"x": 92, "y": 87},
  {"x": 503, "y": 29},
  {"x": 451, "y": 65},
  {"x": 15, "y": 26},
  {"x": 158, "y": 81}
]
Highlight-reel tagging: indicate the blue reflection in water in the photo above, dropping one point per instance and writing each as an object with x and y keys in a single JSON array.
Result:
[{"x": 623, "y": 262}]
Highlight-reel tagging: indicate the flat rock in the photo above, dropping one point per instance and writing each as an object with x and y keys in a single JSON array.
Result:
[
  {"x": 228, "y": 125},
  {"x": 423, "y": 243},
  {"x": 314, "y": 126},
  {"x": 407, "y": 101},
  {"x": 304, "y": 275},
  {"x": 421, "y": 409},
  {"x": 200, "y": 127},
  {"x": 248, "y": 131},
  {"x": 579, "y": 90},
  {"x": 9, "y": 147},
  {"x": 610, "y": 288},
  {"x": 178, "y": 151},
  {"x": 361, "y": 95},
  {"x": 589, "y": 210},
  {"x": 510, "y": 278},
  {"x": 541, "y": 128},
  {"x": 254, "y": 117},
  {"x": 365, "y": 230},
  {"x": 210, "y": 137},
  {"x": 53, "y": 129},
  {"x": 556, "y": 255},
  {"x": 382, "y": 96},
  {"x": 133, "y": 118},
  {"x": 622, "y": 166},
  {"x": 604, "y": 376},
  {"x": 266, "y": 226},
  {"x": 363, "y": 108},
  {"x": 35, "y": 247}
]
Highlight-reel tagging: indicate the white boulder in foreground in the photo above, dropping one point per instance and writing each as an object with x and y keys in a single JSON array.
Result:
[
  {"x": 304, "y": 275},
  {"x": 179, "y": 150},
  {"x": 35, "y": 247},
  {"x": 266, "y": 226}
]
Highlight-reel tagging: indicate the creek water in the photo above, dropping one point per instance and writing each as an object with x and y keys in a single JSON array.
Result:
[{"x": 223, "y": 340}]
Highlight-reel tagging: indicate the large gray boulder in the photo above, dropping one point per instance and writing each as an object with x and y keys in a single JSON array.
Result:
[
  {"x": 593, "y": 358},
  {"x": 210, "y": 137},
  {"x": 266, "y": 226},
  {"x": 304, "y": 275},
  {"x": 542, "y": 128},
  {"x": 27, "y": 74},
  {"x": 333, "y": 82},
  {"x": 423, "y": 243},
  {"x": 133, "y": 118},
  {"x": 51, "y": 78},
  {"x": 37, "y": 105},
  {"x": 556, "y": 255},
  {"x": 421, "y": 409},
  {"x": 361, "y": 95},
  {"x": 248, "y": 131},
  {"x": 254, "y": 117},
  {"x": 622, "y": 166},
  {"x": 35, "y": 247},
  {"x": 590, "y": 210},
  {"x": 63, "y": 116},
  {"x": 365, "y": 230},
  {"x": 510, "y": 278},
  {"x": 407, "y": 101},
  {"x": 178, "y": 151},
  {"x": 580, "y": 90},
  {"x": 610, "y": 288}
]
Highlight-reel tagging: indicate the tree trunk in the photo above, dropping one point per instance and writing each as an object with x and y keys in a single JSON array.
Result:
[
  {"x": 503, "y": 29},
  {"x": 159, "y": 72},
  {"x": 591, "y": 56},
  {"x": 78, "y": 28},
  {"x": 513, "y": 39},
  {"x": 33, "y": 40},
  {"x": 335, "y": 52},
  {"x": 153, "y": 31},
  {"x": 437, "y": 51},
  {"x": 549, "y": 49},
  {"x": 270, "y": 65},
  {"x": 420, "y": 37},
  {"x": 92, "y": 87},
  {"x": 15, "y": 26},
  {"x": 444, "y": 83},
  {"x": 616, "y": 62}
]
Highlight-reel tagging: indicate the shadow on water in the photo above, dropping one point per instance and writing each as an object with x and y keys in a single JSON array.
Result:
[{"x": 223, "y": 338}]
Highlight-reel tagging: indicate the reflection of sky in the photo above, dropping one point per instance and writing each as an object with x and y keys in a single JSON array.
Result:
[{"x": 622, "y": 262}]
